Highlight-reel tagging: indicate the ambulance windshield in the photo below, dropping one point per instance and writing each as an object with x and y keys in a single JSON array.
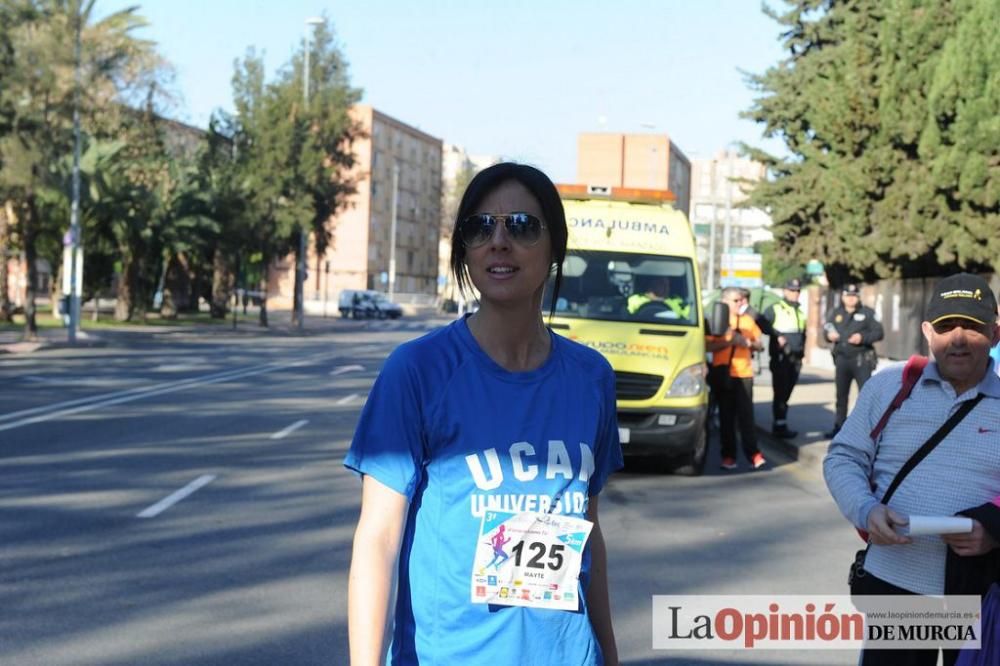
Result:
[{"x": 620, "y": 286}]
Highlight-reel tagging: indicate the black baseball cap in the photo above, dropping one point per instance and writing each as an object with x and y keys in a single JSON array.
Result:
[
  {"x": 962, "y": 296},
  {"x": 851, "y": 289},
  {"x": 794, "y": 284}
]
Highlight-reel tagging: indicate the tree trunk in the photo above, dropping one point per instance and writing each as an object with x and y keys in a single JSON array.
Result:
[
  {"x": 28, "y": 233},
  {"x": 55, "y": 291},
  {"x": 168, "y": 306},
  {"x": 124, "y": 305},
  {"x": 221, "y": 285},
  {"x": 265, "y": 275},
  {"x": 300, "y": 287},
  {"x": 6, "y": 222}
]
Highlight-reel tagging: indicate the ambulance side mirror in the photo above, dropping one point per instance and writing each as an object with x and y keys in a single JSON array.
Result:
[{"x": 718, "y": 320}]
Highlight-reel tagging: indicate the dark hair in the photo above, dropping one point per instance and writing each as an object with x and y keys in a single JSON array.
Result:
[{"x": 541, "y": 187}]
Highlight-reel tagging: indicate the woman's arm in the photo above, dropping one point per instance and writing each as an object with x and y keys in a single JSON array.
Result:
[
  {"x": 598, "y": 601},
  {"x": 373, "y": 568}
]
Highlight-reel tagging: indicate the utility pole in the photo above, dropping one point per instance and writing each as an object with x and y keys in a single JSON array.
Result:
[
  {"x": 300, "y": 266},
  {"x": 392, "y": 232},
  {"x": 74, "y": 215},
  {"x": 729, "y": 205}
]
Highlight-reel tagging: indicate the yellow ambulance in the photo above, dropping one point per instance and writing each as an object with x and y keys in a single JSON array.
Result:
[{"x": 631, "y": 291}]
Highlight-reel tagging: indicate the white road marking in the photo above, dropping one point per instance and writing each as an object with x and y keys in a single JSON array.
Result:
[
  {"x": 346, "y": 399},
  {"x": 91, "y": 403},
  {"x": 289, "y": 430},
  {"x": 347, "y": 368},
  {"x": 176, "y": 497}
]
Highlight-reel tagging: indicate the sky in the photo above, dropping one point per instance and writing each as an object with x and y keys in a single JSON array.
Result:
[{"x": 515, "y": 78}]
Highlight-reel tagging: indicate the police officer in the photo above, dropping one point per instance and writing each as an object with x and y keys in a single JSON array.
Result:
[
  {"x": 852, "y": 329},
  {"x": 785, "y": 323}
]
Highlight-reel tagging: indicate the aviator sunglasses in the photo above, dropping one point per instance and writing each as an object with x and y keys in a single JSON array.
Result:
[{"x": 523, "y": 228}]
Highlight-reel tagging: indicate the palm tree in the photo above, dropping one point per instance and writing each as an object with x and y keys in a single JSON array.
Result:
[{"x": 38, "y": 93}]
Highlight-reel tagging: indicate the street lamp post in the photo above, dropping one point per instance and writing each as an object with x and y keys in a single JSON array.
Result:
[
  {"x": 74, "y": 215},
  {"x": 392, "y": 231},
  {"x": 300, "y": 267}
]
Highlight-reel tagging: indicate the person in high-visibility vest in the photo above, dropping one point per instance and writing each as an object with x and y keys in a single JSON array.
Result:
[
  {"x": 785, "y": 323},
  {"x": 657, "y": 291}
]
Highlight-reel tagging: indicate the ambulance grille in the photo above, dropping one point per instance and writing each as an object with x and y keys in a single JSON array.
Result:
[{"x": 636, "y": 385}]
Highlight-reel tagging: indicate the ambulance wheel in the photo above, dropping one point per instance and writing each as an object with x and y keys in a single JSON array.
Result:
[{"x": 693, "y": 464}]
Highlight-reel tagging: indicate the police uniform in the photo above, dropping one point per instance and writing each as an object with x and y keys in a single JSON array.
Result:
[
  {"x": 852, "y": 362},
  {"x": 784, "y": 319}
]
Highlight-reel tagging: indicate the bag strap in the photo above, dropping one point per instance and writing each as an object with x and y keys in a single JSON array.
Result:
[
  {"x": 922, "y": 453},
  {"x": 929, "y": 445},
  {"x": 912, "y": 371}
]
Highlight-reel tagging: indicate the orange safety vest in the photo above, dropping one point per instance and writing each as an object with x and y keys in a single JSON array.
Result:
[{"x": 739, "y": 359}]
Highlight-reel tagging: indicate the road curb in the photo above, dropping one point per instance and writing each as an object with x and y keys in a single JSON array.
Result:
[
  {"x": 43, "y": 345},
  {"x": 811, "y": 454}
]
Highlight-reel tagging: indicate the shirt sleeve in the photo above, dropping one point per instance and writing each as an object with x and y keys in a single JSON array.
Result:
[
  {"x": 875, "y": 331},
  {"x": 608, "y": 449},
  {"x": 850, "y": 459},
  {"x": 752, "y": 332},
  {"x": 766, "y": 321},
  {"x": 389, "y": 442}
]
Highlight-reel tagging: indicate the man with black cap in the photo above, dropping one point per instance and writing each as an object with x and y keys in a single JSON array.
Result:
[
  {"x": 955, "y": 402},
  {"x": 853, "y": 330},
  {"x": 785, "y": 323}
]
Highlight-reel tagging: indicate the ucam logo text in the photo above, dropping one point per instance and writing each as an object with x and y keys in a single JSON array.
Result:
[{"x": 525, "y": 464}]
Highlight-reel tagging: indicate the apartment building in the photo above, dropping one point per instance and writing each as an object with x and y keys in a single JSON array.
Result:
[
  {"x": 646, "y": 161},
  {"x": 458, "y": 167},
  {"x": 394, "y": 161},
  {"x": 720, "y": 185}
]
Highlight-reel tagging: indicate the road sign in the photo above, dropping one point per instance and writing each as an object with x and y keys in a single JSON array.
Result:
[{"x": 741, "y": 268}]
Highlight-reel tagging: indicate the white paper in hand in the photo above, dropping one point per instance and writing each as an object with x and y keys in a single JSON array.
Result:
[{"x": 924, "y": 525}]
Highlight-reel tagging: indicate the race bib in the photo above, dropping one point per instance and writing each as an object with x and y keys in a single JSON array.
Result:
[{"x": 529, "y": 559}]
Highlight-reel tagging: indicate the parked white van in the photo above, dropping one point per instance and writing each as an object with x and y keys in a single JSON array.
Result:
[{"x": 366, "y": 304}]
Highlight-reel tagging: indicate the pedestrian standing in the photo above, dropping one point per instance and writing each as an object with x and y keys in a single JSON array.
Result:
[
  {"x": 957, "y": 394},
  {"x": 785, "y": 324},
  {"x": 731, "y": 379},
  {"x": 483, "y": 447},
  {"x": 853, "y": 330}
]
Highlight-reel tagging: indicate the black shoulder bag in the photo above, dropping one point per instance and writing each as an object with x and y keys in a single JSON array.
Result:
[{"x": 857, "y": 571}]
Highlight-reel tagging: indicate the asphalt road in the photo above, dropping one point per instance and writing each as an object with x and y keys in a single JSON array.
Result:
[{"x": 102, "y": 562}]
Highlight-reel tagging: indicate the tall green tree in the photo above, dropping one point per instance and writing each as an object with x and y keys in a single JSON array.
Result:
[
  {"x": 264, "y": 145},
  {"x": 39, "y": 93},
  {"x": 960, "y": 138},
  {"x": 868, "y": 105},
  {"x": 295, "y": 158},
  {"x": 822, "y": 102}
]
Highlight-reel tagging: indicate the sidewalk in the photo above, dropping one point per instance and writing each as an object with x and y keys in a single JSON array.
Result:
[
  {"x": 11, "y": 340},
  {"x": 811, "y": 411}
]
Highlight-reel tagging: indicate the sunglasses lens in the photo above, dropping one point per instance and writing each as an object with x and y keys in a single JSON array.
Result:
[
  {"x": 476, "y": 230},
  {"x": 524, "y": 228}
]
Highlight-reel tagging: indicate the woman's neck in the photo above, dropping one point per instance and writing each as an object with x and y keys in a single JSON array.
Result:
[{"x": 515, "y": 338}]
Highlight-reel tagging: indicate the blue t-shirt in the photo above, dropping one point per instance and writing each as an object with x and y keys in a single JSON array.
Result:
[{"x": 458, "y": 434}]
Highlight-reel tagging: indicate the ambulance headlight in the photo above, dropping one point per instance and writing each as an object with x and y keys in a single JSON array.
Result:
[{"x": 689, "y": 383}]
